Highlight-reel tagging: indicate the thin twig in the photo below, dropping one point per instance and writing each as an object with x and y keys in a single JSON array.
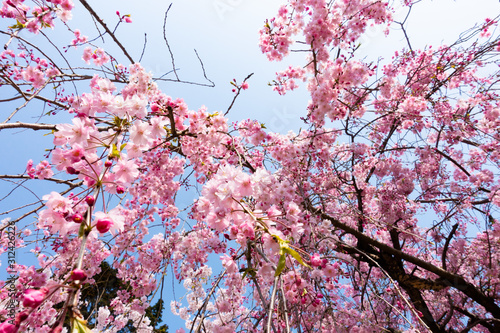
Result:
[
  {"x": 55, "y": 180},
  {"x": 174, "y": 70},
  {"x": 144, "y": 47},
  {"x": 28, "y": 99},
  {"x": 166, "y": 41},
  {"x": 101, "y": 22},
  {"x": 203, "y": 69},
  {"x": 201, "y": 311},
  {"x": 237, "y": 94},
  {"x": 284, "y": 306}
]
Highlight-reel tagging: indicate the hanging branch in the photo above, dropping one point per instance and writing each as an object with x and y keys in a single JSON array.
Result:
[{"x": 271, "y": 305}]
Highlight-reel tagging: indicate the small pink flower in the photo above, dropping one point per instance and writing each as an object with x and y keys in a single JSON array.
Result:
[
  {"x": 244, "y": 85},
  {"x": 103, "y": 225},
  {"x": 30, "y": 169},
  {"x": 33, "y": 298},
  {"x": 87, "y": 55},
  {"x": 113, "y": 221},
  {"x": 315, "y": 260}
]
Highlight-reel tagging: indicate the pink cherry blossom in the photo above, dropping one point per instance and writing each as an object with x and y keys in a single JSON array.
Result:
[
  {"x": 113, "y": 221},
  {"x": 141, "y": 134},
  {"x": 126, "y": 171}
]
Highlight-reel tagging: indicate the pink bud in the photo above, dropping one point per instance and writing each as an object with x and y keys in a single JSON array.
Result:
[
  {"x": 77, "y": 218},
  {"x": 72, "y": 171},
  {"x": 120, "y": 189},
  {"x": 128, "y": 20},
  {"x": 33, "y": 298},
  {"x": 5, "y": 327},
  {"x": 108, "y": 164},
  {"x": 103, "y": 225},
  {"x": 90, "y": 200},
  {"x": 78, "y": 275}
]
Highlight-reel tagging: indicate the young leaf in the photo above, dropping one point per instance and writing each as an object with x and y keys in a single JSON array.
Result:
[
  {"x": 115, "y": 153},
  {"x": 79, "y": 326},
  {"x": 294, "y": 254},
  {"x": 281, "y": 264},
  {"x": 285, "y": 248}
]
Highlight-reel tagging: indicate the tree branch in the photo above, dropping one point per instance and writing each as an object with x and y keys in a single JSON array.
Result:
[
  {"x": 449, "y": 279},
  {"x": 101, "y": 22}
]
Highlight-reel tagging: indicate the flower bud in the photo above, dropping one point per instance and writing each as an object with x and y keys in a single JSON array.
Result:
[
  {"x": 72, "y": 171},
  {"x": 78, "y": 275},
  {"x": 103, "y": 225},
  {"x": 90, "y": 200},
  {"x": 108, "y": 163},
  {"x": 120, "y": 189},
  {"x": 77, "y": 218}
]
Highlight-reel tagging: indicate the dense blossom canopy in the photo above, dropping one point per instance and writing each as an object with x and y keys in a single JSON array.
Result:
[{"x": 380, "y": 215}]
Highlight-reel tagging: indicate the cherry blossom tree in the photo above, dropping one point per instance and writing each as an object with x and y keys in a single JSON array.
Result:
[{"x": 381, "y": 215}]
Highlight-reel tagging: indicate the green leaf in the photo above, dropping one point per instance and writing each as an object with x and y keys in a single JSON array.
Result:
[
  {"x": 279, "y": 240},
  {"x": 281, "y": 264},
  {"x": 79, "y": 326},
  {"x": 285, "y": 248},
  {"x": 297, "y": 256},
  {"x": 115, "y": 153},
  {"x": 18, "y": 25}
]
